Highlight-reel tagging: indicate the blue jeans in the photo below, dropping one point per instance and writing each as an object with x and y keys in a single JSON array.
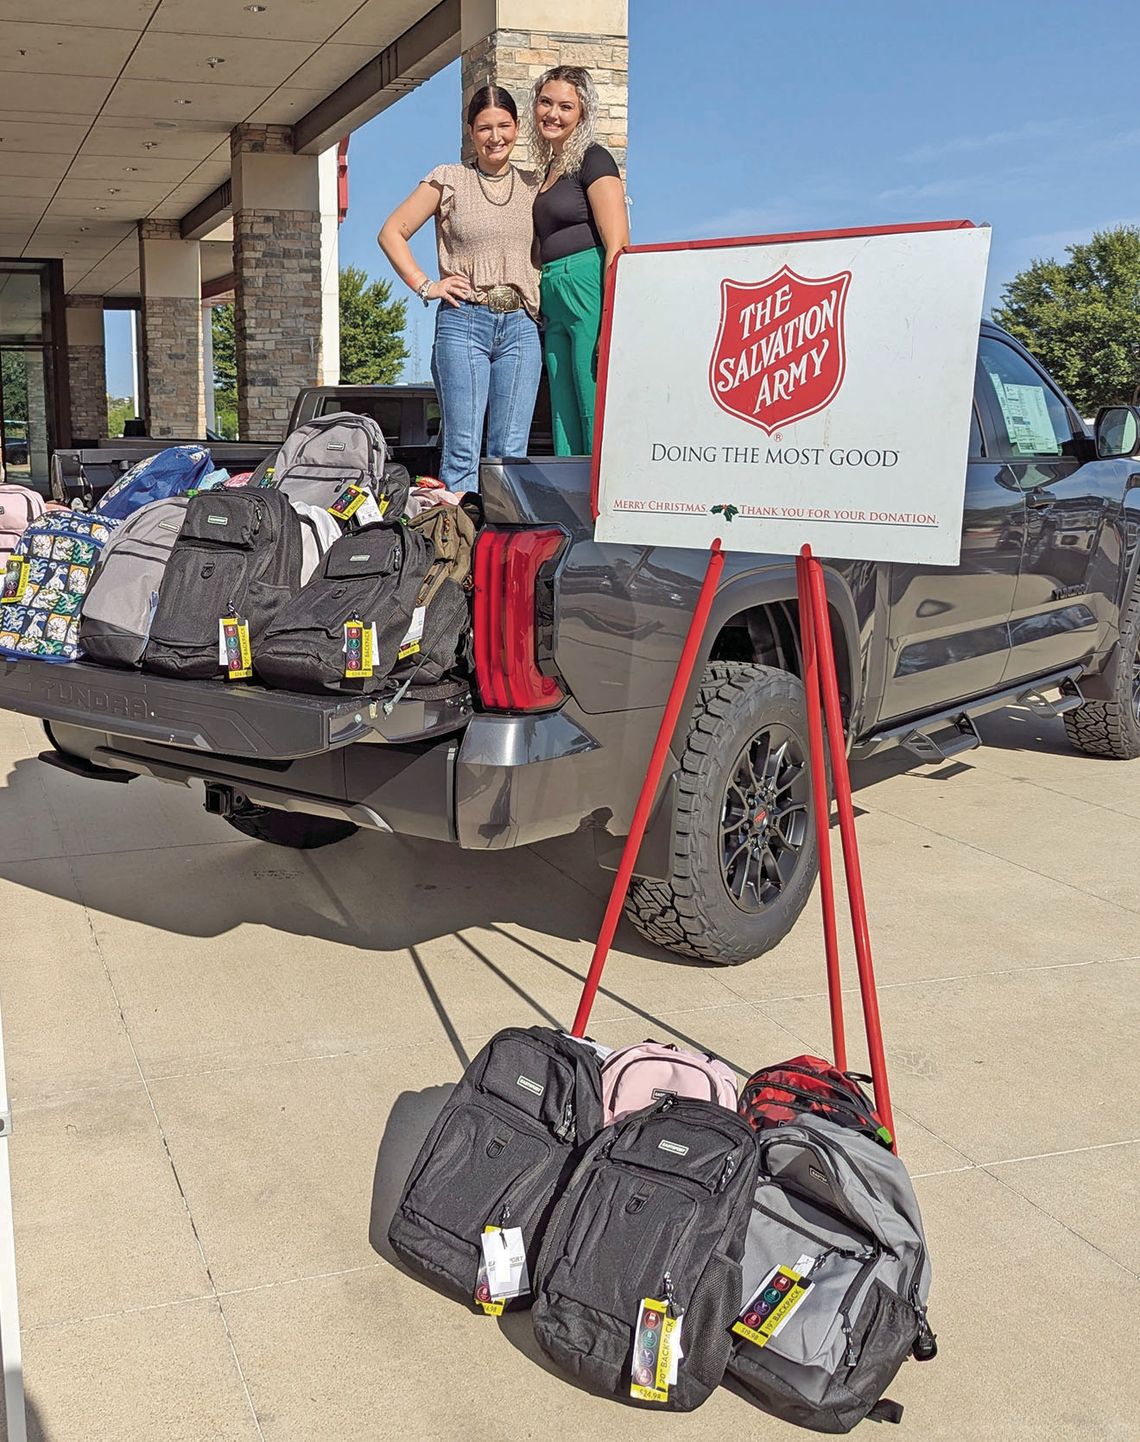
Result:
[{"x": 486, "y": 366}]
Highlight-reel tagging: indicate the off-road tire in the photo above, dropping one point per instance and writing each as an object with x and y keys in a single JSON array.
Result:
[
  {"x": 1112, "y": 728},
  {"x": 693, "y": 913},
  {"x": 296, "y": 829}
]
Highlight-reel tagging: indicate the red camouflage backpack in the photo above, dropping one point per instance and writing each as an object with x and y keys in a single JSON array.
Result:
[{"x": 775, "y": 1095}]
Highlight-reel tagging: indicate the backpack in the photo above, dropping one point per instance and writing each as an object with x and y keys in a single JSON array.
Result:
[
  {"x": 370, "y": 577},
  {"x": 45, "y": 581},
  {"x": 120, "y": 603},
  {"x": 19, "y": 507},
  {"x": 498, "y": 1156},
  {"x": 656, "y": 1211},
  {"x": 451, "y": 532},
  {"x": 835, "y": 1210},
  {"x": 167, "y": 473},
  {"x": 322, "y": 457},
  {"x": 778, "y": 1094},
  {"x": 637, "y": 1076},
  {"x": 434, "y": 643},
  {"x": 239, "y": 554}
]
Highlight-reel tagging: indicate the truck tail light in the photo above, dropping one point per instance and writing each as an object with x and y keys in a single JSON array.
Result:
[{"x": 507, "y": 564}]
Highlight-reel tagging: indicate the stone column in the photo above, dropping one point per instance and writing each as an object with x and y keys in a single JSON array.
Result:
[
  {"x": 171, "y": 279},
  {"x": 511, "y": 42},
  {"x": 86, "y": 367},
  {"x": 38, "y": 451},
  {"x": 277, "y": 268}
]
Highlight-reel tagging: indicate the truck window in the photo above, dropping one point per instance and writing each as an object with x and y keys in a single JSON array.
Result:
[
  {"x": 1032, "y": 415},
  {"x": 386, "y": 411}
]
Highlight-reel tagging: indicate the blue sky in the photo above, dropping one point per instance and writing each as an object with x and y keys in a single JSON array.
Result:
[{"x": 750, "y": 116}]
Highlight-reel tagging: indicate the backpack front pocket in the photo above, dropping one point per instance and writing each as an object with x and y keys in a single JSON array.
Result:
[
  {"x": 198, "y": 589},
  {"x": 478, "y": 1165},
  {"x": 626, "y": 1232}
]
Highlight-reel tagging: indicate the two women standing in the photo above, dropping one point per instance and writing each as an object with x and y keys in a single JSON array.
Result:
[{"x": 495, "y": 224}]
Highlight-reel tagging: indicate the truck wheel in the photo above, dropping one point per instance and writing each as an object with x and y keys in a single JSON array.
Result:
[
  {"x": 290, "y": 828},
  {"x": 1112, "y": 728},
  {"x": 744, "y": 852}
]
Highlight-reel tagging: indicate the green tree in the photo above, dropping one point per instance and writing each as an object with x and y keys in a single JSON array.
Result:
[
  {"x": 1081, "y": 317},
  {"x": 119, "y": 410},
  {"x": 225, "y": 370},
  {"x": 372, "y": 349},
  {"x": 14, "y": 384}
]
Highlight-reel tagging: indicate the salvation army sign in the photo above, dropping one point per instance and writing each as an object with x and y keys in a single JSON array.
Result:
[
  {"x": 788, "y": 390},
  {"x": 778, "y": 356}
]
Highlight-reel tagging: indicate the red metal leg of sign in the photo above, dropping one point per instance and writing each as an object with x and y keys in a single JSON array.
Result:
[
  {"x": 688, "y": 661},
  {"x": 821, "y": 811},
  {"x": 841, "y": 780}
]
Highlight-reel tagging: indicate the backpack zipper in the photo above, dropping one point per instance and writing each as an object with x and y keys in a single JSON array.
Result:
[{"x": 676, "y": 1062}]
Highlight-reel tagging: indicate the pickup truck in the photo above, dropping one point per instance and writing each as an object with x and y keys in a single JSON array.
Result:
[{"x": 575, "y": 645}]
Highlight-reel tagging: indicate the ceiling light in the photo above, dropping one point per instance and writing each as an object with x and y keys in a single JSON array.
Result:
[
  {"x": 130, "y": 168},
  {"x": 150, "y": 144},
  {"x": 255, "y": 9},
  {"x": 213, "y": 61}
]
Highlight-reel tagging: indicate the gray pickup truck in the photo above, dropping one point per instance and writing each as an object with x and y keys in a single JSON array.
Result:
[{"x": 575, "y": 645}]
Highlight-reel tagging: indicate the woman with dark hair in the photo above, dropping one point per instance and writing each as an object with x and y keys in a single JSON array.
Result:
[
  {"x": 487, "y": 359},
  {"x": 580, "y": 224}
]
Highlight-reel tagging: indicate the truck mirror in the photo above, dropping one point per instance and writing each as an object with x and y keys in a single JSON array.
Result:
[{"x": 1117, "y": 432}]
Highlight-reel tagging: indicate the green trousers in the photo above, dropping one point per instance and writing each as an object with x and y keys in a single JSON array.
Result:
[{"x": 572, "y": 316}]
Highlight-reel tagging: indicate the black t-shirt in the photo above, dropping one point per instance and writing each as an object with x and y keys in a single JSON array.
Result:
[{"x": 563, "y": 220}]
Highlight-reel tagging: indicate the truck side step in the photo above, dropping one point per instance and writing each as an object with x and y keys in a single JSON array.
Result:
[
  {"x": 934, "y": 747},
  {"x": 1039, "y": 705}
]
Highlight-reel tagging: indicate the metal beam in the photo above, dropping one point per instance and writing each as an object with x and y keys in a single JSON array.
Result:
[
  {"x": 382, "y": 81},
  {"x": 208, "y": 213}
]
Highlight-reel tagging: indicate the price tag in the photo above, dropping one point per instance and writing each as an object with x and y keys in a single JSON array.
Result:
[
  {"x": 655, "y": 1335},
  {"x": 774, "y": 1301},
  {"x": 16, "y": 578},
  {"x": 359, "y": 649},
  {"x": 503, "y": 1270},
  {"x": 233, "y": 648}
]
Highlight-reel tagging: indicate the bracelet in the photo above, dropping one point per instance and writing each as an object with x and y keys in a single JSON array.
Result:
[{"x": 422, "y": 290}]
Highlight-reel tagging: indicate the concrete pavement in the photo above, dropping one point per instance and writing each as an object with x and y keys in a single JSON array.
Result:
[{"x": 222, "y": 1056}]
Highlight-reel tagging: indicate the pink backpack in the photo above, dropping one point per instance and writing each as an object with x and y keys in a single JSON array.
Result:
[
  {"x": 19, "y": 507},
  {"x": 637, "y": 1076}
]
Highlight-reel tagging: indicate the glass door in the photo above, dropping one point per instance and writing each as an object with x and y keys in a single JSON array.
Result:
[{"x": 27, "y": 402}]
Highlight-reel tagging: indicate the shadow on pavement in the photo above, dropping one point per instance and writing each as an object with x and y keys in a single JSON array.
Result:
[
  {"x": 37, "y": 1430},
  {"x": 408, "y": 1124}
]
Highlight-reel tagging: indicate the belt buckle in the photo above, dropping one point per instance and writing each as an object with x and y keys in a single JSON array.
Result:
[{"x": 502, "y": 298}]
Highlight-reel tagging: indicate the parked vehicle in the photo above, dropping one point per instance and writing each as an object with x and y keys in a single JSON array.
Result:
[{"x": 575, "y": 645}]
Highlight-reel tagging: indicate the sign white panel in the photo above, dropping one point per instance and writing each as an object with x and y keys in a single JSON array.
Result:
[{"x": 811, "y": 390}]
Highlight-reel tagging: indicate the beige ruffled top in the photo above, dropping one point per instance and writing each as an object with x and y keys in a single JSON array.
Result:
[{"x": 484, "y": 229}]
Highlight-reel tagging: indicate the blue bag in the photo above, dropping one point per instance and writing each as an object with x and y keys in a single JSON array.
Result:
[
  {"x": 45, "y": 582},
  {"x": 167, "y": 473}
]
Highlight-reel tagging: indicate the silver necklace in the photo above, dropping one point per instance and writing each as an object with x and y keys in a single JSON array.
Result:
[{"x": 496, "y": 179}]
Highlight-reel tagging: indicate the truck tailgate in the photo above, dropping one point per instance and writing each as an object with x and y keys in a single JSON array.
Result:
[{"x": 220, "y": 717}]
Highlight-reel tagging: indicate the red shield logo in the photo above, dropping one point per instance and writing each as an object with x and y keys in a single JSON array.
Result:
[{"x": 779, "y": 353}]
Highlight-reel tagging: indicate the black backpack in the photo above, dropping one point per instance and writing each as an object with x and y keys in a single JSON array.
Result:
[
  {"x": 657, "y": 1209},
  {"x": 238, "y": 554},
  {"x": 498, "y": 1154},
  {"x": 370, "y": 576}
]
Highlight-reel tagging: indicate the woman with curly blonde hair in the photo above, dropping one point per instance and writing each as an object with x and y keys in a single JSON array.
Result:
[{"x": 580, "y": 224}]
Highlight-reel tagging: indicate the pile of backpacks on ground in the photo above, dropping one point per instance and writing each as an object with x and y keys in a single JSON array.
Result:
[
  {"x": 666, "y": 1233},
  {"x": 327, "y": 571}
]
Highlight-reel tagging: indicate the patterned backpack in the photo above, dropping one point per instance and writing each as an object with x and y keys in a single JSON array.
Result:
[
  {"x": 44, "y": 584},
  {"x": 777, "y": 1095}
]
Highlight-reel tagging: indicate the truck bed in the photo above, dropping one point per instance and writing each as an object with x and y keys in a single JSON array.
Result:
[{"x": 221, "y": 717}]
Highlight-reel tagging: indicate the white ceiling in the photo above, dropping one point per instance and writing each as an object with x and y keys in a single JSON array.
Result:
[{"x": 92, "y": 138}]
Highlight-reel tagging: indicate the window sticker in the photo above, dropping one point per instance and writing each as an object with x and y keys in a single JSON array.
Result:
[{"x": 1027, "y": 418}]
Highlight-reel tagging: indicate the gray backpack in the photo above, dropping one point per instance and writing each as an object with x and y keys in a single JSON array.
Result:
[
  {"x": 837, "y": 1210},
  {"x": 322, "y": 457},
  {"x": 120, "y": 602}
]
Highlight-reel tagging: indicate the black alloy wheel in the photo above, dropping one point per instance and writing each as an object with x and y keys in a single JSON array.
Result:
[{"x": 764, "y": 818}]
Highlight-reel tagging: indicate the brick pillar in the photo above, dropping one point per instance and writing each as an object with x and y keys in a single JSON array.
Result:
[
  {"x": 174, "y": 403},
  {"x": 511, "y": 42},
  {"x": 86, "y": 367},
  {"x": 277, "y": 268},
  {"x": 38, "y": 454}
]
